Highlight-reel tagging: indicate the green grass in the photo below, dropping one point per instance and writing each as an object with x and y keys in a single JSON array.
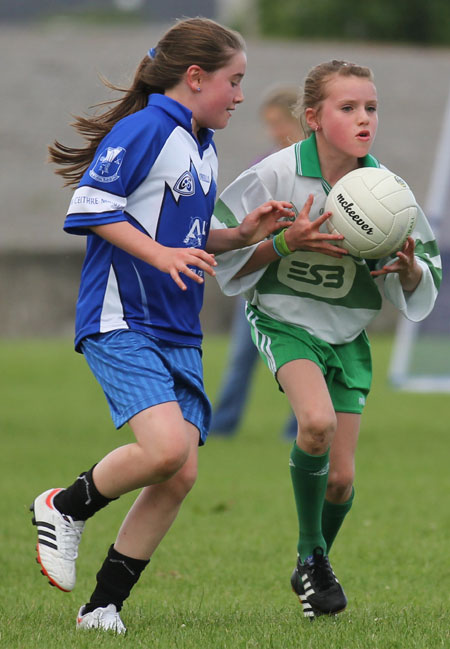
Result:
[{"x": 221, "y": 576}]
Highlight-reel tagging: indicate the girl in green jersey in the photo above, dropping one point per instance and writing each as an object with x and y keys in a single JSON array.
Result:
[{"x": 309, "y": 302}]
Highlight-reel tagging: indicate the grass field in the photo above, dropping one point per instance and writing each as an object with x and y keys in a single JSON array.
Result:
[{"x": 221, "y": 577}]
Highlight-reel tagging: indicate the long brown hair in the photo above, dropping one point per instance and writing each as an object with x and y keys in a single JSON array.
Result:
[
  {"x": 314, "y": 88},
  {"x": 194, "y": 41}
]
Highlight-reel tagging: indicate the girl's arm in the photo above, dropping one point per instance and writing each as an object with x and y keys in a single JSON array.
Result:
[
  {"x": 255, "y": 227},
  {"x": 409, "y": 271},
  {"x": 412, "y": 278},
  {"x": 168, "y": 260},
  {"x": 302, "y": 235}
]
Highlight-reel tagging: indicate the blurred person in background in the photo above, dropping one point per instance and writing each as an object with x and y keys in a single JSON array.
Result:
[{"x": 283, "y": 129}]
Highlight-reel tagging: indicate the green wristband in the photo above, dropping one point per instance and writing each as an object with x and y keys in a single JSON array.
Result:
[
  {"x": 281, "y": 245},
  {"x": 274, "y": 244}
]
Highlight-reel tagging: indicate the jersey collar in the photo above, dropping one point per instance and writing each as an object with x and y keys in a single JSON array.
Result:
[
  {"x": 182, "y": 115},
  {"x": 308, "y": 164}
]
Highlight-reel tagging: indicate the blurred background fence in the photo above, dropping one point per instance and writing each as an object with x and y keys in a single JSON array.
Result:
[{"x": 53, "y": 52}]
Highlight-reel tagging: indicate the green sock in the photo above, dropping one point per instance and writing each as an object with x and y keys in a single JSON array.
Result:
[
  {"x": 332, "y": 518},
  {"x": 309, "y": 474}
]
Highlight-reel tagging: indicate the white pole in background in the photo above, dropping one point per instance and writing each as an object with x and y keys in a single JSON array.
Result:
[{"x": 436, "y": 208}]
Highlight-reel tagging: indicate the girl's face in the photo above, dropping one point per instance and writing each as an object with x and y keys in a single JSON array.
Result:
[
  {"x": 220, "y": 93},
  {"x": 347, "y": 119}
]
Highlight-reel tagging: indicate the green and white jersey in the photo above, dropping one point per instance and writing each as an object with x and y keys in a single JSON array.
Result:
[{"x": 333, "y": 299}]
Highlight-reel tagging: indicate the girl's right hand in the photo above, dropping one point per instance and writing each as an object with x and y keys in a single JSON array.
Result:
[
  {"x": 178, "y": 260},
  {"x": 305, "y": 234}
]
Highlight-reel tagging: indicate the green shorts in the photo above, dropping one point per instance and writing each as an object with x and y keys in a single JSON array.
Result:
[{"x": 347, "y": 368}]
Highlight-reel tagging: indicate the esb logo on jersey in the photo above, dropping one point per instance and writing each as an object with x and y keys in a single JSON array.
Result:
[{"x": 107, "y": 165}]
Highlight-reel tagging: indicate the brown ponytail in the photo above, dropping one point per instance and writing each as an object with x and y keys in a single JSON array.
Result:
[{"x": 194, "y": 41}]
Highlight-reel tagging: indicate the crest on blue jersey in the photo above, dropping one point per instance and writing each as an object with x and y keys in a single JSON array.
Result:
[
  {"x": 185, "y": 184},
  {"x": 107, "y": 166}
]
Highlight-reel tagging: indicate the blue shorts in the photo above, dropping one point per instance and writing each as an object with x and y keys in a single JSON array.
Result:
[{"x": 137, "y": 371}]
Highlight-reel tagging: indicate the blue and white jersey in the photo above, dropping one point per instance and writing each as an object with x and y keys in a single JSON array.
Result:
[{"x": 151, "y": 171}]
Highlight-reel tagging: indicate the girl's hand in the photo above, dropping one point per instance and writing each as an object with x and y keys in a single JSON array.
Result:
[
  {"x": 178, "y": 260},
  {"x": 409, "y": 271},
  {"x": 305, "y": 234},
  {"x": 264, "y": 220},
  {"x": 168, "y": 260}
]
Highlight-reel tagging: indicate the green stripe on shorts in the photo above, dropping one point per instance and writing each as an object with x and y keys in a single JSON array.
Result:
[{"x": 347, "y": 368}]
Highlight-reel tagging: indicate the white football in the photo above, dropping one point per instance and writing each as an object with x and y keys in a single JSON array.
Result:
[{"x": 374, "y": 209}]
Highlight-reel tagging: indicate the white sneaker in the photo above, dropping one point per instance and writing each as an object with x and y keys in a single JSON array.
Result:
[
  {"x": 58, "y": 539},
  {"x": 106, "y": 618}
]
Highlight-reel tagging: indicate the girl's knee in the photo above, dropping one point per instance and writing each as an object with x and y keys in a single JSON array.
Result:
[
  {"x": 183, "y": 481},
  {"x": 340, "y": 486},
  {"x": 171, "y": 462},
  {"x": 317, "y": 431},
  {"x": 166, "y": 457},
  {"x": 179, "y": 485}
]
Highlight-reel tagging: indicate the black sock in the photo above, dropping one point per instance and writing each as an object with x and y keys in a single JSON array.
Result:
[
  {"x": 82, "y": 499},
  {"x": 115, "y": 579}
]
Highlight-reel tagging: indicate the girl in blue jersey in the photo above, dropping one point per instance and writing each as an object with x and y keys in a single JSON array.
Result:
[{"x": 146, "y": 189}]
